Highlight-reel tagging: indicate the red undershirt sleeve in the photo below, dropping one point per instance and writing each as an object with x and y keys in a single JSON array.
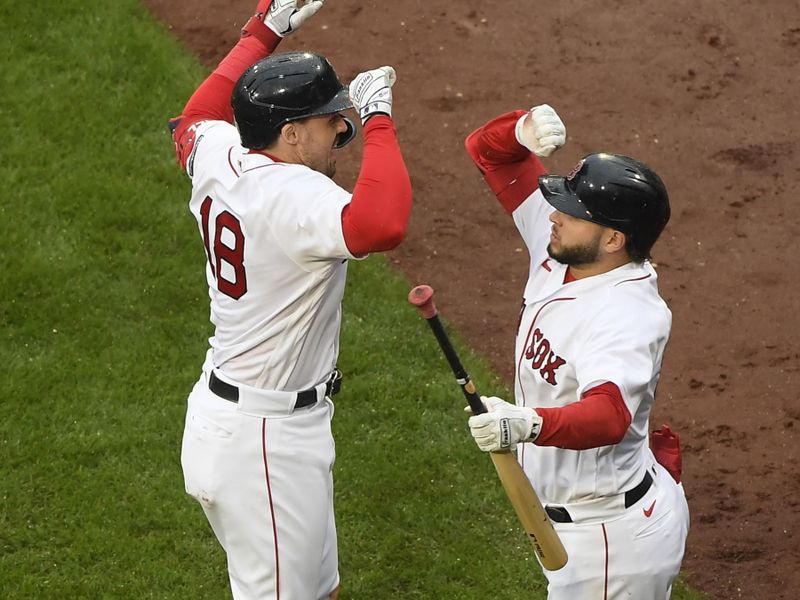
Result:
[
  {"x": 212, "y": 99},
  {"x": 509, "y": 168},
  {"x": 599, "y": 418},
  {"x": 376, "y": 218}
]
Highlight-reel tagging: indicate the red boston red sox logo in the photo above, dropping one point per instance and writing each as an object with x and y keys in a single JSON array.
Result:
[
  {"x": 542, "y": 357},
  {"x": 575, "y": 169}
]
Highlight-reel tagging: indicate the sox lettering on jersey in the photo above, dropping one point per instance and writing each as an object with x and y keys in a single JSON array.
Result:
[{"x": 543, "y": 358}]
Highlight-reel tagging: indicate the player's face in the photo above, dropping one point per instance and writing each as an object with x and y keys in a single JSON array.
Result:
[
  {"x": 316, "y": 138},
  {"x": 574, "y": 242}
]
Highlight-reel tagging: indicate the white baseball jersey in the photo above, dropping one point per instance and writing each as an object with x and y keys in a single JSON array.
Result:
[
  {"x": 576, "y": 336},
  {"x": 276, "y": 271},
  {"x": 277, "y": 261}
]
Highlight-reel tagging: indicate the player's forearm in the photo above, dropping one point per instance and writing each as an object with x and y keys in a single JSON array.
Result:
[
  {"x": 511, "y": 170},
  {"x": 377, "y": 216},
  {"x": 600, "y": 418},
  {"x": 212, "y": 100},
  {"x": 495, "y": 144}
]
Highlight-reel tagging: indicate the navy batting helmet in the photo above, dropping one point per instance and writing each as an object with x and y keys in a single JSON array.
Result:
[
  {"x": 287, "y": 87},
  {"x": 615, "y": 191}
]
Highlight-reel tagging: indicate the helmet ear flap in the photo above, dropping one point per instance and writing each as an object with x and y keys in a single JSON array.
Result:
[{"x": 346, "y": 137}]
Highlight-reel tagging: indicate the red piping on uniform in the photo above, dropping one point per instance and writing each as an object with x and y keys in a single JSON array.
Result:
[
  {"x": 522, "y": 356},
  {"x": 528, "y": 337},
  {"x": 605, "y": 581},
  {"x": 637, "y": 279},
  {"x": 271, "y": 507},
  {"x": 258, "y": 167},
  {"x": 230, "y": 162},
  {"x": 274, "y": 160},
  {"x": 267, "y": 154}
]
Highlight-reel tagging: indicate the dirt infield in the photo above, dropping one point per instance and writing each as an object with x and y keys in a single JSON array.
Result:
[{"x": 705, "y": 93}]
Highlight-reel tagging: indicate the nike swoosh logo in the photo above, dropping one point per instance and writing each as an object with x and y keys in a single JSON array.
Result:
[{"x": 649, "y": 511}]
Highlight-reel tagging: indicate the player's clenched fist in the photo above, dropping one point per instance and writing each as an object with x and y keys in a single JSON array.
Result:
[
  {"x": 285, "y": 16},
  {"x": 371, "y": 92},
  {"x": 504, "y": 426},
  {"x": 541, "y": 130}
]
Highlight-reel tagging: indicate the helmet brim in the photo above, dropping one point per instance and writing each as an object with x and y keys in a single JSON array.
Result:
[
  {"x": 559, "y": 196},
  {"x": 341, "y": 101}
]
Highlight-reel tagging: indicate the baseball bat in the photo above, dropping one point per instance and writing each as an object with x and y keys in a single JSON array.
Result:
[{"x": 516, "y": 484}]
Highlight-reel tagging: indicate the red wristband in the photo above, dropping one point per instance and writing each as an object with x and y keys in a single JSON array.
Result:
[{"x": 255, "y": 26}]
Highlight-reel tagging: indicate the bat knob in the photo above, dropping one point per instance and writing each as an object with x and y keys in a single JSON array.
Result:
[{"x": 422, "y": 297}]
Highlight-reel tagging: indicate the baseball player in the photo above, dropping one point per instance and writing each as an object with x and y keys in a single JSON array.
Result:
[
  {"x": 590, "y": 342},
  {"x": 257, "y": 140}
]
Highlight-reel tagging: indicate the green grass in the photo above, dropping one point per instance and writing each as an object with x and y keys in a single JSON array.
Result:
[{"x": 104, "y": 326}]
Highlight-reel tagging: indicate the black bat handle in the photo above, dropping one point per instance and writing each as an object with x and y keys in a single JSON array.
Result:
[{"x": 462, "y": 377}]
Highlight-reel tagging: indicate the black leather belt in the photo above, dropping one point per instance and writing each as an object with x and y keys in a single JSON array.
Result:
[
  {"x": 305, "y": 398},
  {"x": 559, "y": 514}
]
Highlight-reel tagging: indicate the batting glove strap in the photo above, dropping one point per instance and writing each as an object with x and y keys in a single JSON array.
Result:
[
  {"x": 504, "y": 426},
  {"x": 284, "y": 17},
  {"x": 541, "y": 130},
  {"x": 255, "y": 27}
]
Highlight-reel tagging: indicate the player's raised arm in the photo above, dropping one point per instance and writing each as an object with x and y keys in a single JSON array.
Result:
[
  {"x": 506, "y": 150},
  {"x": 262, "y": 33},
  {"x": 278, "y": 233},
  {"x": 377, "y": 216}
]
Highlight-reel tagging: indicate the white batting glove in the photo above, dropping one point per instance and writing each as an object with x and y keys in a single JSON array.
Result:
[
  {"x": 504, "y": 426},
  {"x": 371, "y": 92},
  {"x": 541, "y": 130},
  {"x": 286, "y": 16}
]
